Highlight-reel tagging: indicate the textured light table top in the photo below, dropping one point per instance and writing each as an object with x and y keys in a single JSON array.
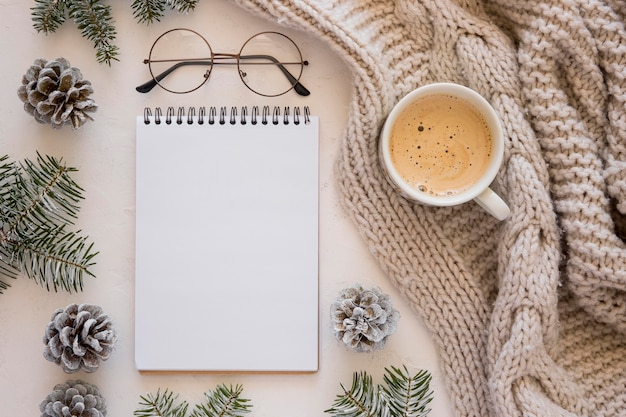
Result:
[{"x": 104, "y": 153}]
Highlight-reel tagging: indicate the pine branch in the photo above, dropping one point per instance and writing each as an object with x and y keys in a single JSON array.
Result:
[
  {"x": 403, "y": 396},
  {"x": 95, "y": 21},
  {"x": 37, "y": 202},
  {"x": 47, "y": 192},
  {"x": 223, "y": 402},
  {"x": 48, "y": 15},
  {"x": 362, "y": 400},
  {"x": 182, "y": 6},
  {"x": 148, "y": 11},
  {"x": 161, "y": 405},
  {"x": 56, "y": 259},
  {"x": 8, "y": 175},
  {"x": 407, "y": 396},
  {"x": 9, "y": 198}
]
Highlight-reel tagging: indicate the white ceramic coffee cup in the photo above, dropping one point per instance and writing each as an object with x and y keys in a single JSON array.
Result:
[{"x": 479, "y": 191}]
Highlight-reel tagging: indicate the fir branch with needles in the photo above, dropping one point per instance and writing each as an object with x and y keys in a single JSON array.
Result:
[
  {"x": 161, "y": 404},
  {"x": 402, "y": 395},
  {"x": 95, "y": 20},
  {"x": 150, "y": 11},
  {"x": 48, "y": 15},
  {"x": 38, "y": 201},
  {"x": 223, "y": 401}
]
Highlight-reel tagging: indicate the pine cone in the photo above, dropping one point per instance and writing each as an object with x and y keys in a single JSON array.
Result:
[
  {"x": 363, "y": 319},
  {"x": 74, "y": 399},
  {"x": 55, "y": 93},
  {"x": 79, "y": 336}
]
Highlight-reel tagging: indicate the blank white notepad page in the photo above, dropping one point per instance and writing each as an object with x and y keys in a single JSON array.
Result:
[{"x": 227, "y": 246}]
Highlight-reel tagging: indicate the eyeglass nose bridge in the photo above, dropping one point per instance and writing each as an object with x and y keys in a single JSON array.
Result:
[{"x": 221, "y": 58}]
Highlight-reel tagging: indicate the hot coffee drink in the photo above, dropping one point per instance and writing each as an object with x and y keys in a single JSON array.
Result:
[{"x": 441, "y": 144}]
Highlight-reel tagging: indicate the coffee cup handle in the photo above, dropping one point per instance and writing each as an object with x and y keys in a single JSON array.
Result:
[{"x": 493, "y": 204}]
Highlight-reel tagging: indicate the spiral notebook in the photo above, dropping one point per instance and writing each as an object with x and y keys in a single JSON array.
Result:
[{"x": 227, "y": 240}]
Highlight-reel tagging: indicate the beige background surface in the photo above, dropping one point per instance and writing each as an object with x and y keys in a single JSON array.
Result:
[{"x": 103, "y": 151}]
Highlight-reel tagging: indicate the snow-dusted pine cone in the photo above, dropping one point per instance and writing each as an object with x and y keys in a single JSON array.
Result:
[
  {"x": 79, "y": 337},
  {"x": 363, "y": 319},
  {"x": 55, "y": 93},
  {"x": 74, "y": 399}
]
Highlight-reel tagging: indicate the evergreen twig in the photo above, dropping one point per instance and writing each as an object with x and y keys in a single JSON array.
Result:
[
  {"x": 161, "y": 405},
  {"x": 48, "y": 15},
  {"x": 225, "y": 401},
  {"x": 363, "y": 399},
  {"x": 405, "y": 395},
  {"x": 95, "y": 20},
  {"x": 37, "y": 202},
  {"x": 402, "y": 396},
  {"x": 183, "y": 6},
  {"x": 8, "y": 177},
  {"x": 150, "y": 11}
]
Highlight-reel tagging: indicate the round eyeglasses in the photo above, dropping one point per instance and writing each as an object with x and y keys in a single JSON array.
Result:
[{"x": 269, "y": 63}]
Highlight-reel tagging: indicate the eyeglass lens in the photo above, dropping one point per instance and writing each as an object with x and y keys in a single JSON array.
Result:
[
  {"x": 180, "y": 60},
  {"x": 269, "y": 63}
]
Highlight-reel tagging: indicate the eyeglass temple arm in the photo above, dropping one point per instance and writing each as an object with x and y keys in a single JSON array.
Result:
[
  {"x": 297, "y": 86},
  {"x": 149, "y": 85}
]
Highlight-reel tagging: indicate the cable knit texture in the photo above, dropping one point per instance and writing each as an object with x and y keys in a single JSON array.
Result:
[{"x": 529, "y": 314}]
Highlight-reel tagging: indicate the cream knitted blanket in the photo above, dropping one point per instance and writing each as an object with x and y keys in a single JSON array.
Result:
[{"x": 529, "y": 315}]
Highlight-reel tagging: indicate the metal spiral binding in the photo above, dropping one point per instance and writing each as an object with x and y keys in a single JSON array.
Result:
[
  {"x": 223, "y": 115},
  {"x": 191, "y": 115},
  {"x": 212, "y": 114}
]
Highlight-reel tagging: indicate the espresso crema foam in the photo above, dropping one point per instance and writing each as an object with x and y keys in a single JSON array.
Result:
[{"x": 440, "y": 145}]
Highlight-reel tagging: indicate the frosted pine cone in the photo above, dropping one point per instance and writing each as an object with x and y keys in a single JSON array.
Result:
[
  {"x": 56, "y": 94},
  {"x": 363, "y": 319},
  {"x": 79, "y": 336},
  {"x": 74, "y": 399}
]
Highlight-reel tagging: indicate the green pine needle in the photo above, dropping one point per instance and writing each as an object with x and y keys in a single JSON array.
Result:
[
  {"x": 48, "y": 15},
  {"x": 182, "y": 6},
  {"x": 95, "y": 20},
  {"x": 405, "y": 395},
  {"x": 402, "y": 396},
  {"x": 161, "y": 405},
  {"x": 8, "y": 177},
  {"x": 148, "y": 11},
  {"x": 96, "y": 23},
  {"x": 362, "y": 400},
  {"x": 225, "y": 401},
  {"x": 38, "y": 200}
]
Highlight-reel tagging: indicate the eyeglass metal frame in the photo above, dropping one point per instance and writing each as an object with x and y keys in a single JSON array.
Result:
[{"x": 220, "y": 58}]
